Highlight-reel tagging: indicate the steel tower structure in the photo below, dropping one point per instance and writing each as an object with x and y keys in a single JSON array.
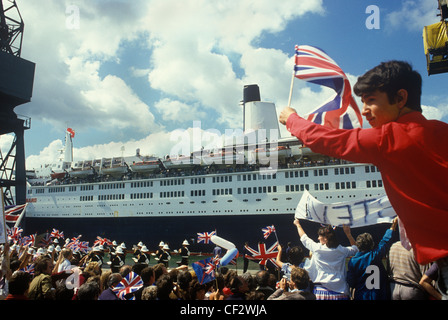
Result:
[{"x": 16, "y": 86}]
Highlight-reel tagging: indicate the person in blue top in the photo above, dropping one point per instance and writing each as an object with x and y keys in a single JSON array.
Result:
[{"x": 366, "y": 274}]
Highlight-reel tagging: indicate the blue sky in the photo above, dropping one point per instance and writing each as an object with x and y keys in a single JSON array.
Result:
[{"x": 129, "y": 73}]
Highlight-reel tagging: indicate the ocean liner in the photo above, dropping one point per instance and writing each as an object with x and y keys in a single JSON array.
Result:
[{"x": 233, "y": 190}]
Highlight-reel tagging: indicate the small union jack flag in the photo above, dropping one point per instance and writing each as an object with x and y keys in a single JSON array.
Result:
[
  {"x": 129, "y": 284},
  {"x": 264, "y": 255},
  {"x": 57, "y": 234},
  {"x": 14, "y": 233},
  {"x": 267, "y": 231},
  {"x": 28, "y": 240},
  {"x": 28, "y": 268},
  {"x": 101, "y": 241},
  {"x": 205, "y": 237},
  {"x": 205, "y": 270},
  {"x": 314, "y": 65}
]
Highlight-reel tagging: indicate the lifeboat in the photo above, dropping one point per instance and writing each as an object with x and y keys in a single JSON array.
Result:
[
  {"x": 180, "y": 162},
  {"x": 145, "y": 166},
  {"x": 114, "y": 166},
  {"x": 223, "y": 158}
]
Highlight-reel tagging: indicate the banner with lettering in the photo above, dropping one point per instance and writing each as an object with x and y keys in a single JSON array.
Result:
[{"x": 355, "y": 213}]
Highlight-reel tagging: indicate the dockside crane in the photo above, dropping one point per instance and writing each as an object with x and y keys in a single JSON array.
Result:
[
  {"x": 435, "y": 42},
  {"x": 16, "y": 86}
]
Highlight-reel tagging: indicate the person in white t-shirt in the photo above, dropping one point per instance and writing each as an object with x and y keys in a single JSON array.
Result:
[{"x": 327, "y": 268}]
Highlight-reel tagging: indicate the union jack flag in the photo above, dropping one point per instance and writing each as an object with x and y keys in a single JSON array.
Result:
[
  {"x": 205, "y": 237},
  {"x": 57, "y": 234},
  {"x": 101, "y": 241},
  {"x": 45, "y": 239},
  {"x": 264, "y": 255},
  {"x": 28, "y": 268},
  {"x": 315, "y": 66},
  {"x": 205, "y": 269},
  {"x": 13, "y": 215},
  {"x": 14, "y": 233},
  {"x": 267, "y": 231},
  {"x": 129, "y": 284},
  {"x": 29, "y": 240}
]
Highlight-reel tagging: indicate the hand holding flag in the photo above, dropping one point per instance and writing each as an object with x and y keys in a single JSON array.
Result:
[{"x": 314, "y": 65}]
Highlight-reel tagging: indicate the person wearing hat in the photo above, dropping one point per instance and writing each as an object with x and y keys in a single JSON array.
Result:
[
  {"x": 184, "y": 253},
  {"x": 97, "y": 255},
  {"x": 50, "y": 251},
  {"x": 137, "y": 251},
  {"x": 118, "y": 260},
  {"x": 144, "y": 256},
  {"x": 112, "y": 249},
  {"x": 159, "y": 251},
  {"x": 165, "y": 256}
]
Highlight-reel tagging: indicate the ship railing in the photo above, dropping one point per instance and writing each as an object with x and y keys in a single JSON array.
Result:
[{"x": 203, "y": 171}]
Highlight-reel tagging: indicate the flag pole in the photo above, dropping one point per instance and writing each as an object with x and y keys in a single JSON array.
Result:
[
  {"x": 291, "y": 87},
  {"x": 275, "y": 232},
  {"x": 4, "y": 233}
]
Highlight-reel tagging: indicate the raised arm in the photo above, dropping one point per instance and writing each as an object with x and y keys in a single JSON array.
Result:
[
  {"x": 299, "y": 228},
  {"x": 278, "y": 260},
  {"x": 349, "y": 234}
]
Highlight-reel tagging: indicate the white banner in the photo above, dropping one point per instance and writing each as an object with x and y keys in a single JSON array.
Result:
[{"x": 356, "y": 213}]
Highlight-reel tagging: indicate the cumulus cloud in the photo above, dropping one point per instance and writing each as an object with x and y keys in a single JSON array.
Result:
[
  {"x": 199, "y": 56},
  {"x": 413, "y": 15}
]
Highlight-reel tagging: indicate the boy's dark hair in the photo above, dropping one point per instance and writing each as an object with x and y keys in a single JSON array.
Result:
[{"x": 389, "y": 77}]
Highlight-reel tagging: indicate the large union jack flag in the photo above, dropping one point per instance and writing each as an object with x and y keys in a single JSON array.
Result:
[
  {"x": 204, "y": 237},
  {"x": 129, "y": 284},
  {"x": 13, "y": 215},
  {"x": 314, "y": 65},
  {"x": 264, "y": 255}
]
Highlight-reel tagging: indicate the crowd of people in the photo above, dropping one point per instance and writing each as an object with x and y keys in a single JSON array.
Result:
[
  {"x": 402, "y": 143},
  {"x": 312, "y": 270}
]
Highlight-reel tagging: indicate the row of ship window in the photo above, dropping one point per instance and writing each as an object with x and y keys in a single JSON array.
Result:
[
  {"x": 229, "y": 191},
  {"x": 201, "y": 180}
]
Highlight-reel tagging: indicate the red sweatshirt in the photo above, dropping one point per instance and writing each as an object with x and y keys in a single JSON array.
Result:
[{"x": 412, "y": 155}]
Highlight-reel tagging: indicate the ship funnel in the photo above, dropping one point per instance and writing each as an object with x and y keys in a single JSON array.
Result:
[
  {"x": 259, "y": 116},
  {"x": 68, "y": 149},
  {"x": 251, "y": 92}
]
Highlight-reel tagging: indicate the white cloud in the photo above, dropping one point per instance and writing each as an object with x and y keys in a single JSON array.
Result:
[
  {"x": 435, "y": 113},
  {"x": 173, "y": 110},
  {"x": 200, "y": 54},
  {"x": 48, "y": 155},
  {"x": 413, "y": 15}
]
